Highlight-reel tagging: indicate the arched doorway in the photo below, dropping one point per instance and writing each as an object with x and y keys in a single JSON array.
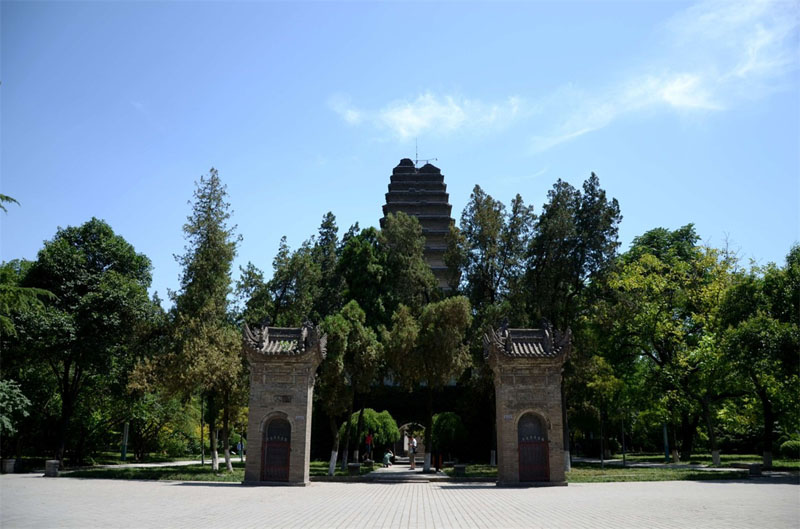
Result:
[
  {"x": 534, "y": 456},
  {"x": 275, "y": 450}
]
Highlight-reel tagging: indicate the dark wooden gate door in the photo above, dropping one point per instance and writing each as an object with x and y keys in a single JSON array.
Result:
[
  {"x": 534, "y": 453},
  {"x": 275, "y": 453}
]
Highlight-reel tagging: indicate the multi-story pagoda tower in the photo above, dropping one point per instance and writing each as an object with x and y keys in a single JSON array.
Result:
[{"x": 422, "y": 193}]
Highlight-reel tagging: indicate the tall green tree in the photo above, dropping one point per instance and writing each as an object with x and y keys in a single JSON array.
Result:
[
  {"x": 208, "y": 355},
  {"x": 574, "y": 243},
  {"x": 666, "y": 292},
  {"x": 489, "y": 248},
  {"x": 762, "y": 337},
  {"x": 89, "y": 330},
  {"x": 430, "y": 350},
  {"x": 350, "y": 367}
]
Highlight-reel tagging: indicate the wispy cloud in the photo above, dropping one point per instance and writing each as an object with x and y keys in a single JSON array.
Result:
[
  {"x": 433, "y": 113},
  {"x": 714, "y": 55},
  {"x": 717, "y": 54}
]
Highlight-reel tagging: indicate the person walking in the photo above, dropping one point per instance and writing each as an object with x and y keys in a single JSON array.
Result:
[{"x": 412, "y": 448}]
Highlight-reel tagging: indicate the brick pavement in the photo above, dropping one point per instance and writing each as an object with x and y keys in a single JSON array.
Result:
[{"x": 30, "y": 500}]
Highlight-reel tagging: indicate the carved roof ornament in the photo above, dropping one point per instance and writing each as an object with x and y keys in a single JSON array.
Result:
[
  {"x": 544, "y": 342},
  {"x": 289, "y": 341}
]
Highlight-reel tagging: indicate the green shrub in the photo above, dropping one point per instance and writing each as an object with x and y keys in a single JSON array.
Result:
[
  {"x": 449, "y": 433},
  {"x": 382, "y": 425},
  {"x": 791, "y": 449}
]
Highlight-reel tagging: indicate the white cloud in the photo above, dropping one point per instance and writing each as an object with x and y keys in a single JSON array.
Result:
[
  {"x": 717, "y": 53},
  {"x": 342, "y": 106},
  {"x": 438, "y": 114}
]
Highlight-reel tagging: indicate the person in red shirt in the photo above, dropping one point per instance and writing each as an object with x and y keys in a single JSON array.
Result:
[{"x": 369, "y": 445}]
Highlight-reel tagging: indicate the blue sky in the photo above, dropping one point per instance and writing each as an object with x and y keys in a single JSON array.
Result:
[{"x": 688, "y": 112}]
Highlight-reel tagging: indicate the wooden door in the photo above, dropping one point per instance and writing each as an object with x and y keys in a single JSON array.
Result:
[
  {"x": 534, "y": 451},
  {"x": 276, "y": 450}
]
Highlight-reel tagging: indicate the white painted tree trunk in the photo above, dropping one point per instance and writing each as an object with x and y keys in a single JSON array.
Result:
[
  {"x": 332, "y": 464},
  {"x": 427, "y": 465}
]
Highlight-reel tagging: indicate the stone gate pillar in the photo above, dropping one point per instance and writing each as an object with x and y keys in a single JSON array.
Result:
[
  {"x": 283, "y": 364},
  {"x": 527, "y": 366}
]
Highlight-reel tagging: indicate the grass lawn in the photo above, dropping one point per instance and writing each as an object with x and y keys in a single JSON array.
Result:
[
  {"x": 184, "y": 473},
  {"x": 591, "y": 473},
  {"x": 320, "y": 468},
  {"x": 474, "y": 471},
  {"x": 726, "y": 460},
  {"x": 190, "y": 472}
]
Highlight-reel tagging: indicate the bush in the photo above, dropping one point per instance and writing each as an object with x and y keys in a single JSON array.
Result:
[
  {"x": 382, "y": 425},
  {"x": 449, "y": 433},
  {"x": 791, "y": 449}
]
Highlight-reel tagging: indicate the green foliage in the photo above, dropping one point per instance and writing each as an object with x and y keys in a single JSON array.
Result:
[
  {"x": 429, "y": 349},
  {"x": 661, "y": 308},
  {"x": 209, "y": 252},
  {"x": 382, "y": 425},
  {"x": 762, "y": 337},
  {"x": 490, "y": 247},
  {"x": 408, "y": 279},
  {"x": 791, "y": 449},
  {"x": 449, "y": 433},
  {"x": 5, "y": 199},
  {"x": 352, "y": 360},
  {"x": 13, "y": 404},
  {"x": 574, "y": 243},
  {"x": 15, "y": 299},
  {"x": 85, "y": 337}
]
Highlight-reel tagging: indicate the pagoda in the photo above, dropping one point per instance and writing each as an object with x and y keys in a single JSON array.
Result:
[{"x": 422, "y": 193}]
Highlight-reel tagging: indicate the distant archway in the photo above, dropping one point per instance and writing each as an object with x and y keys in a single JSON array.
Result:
[{"x": 401, "y": 446}]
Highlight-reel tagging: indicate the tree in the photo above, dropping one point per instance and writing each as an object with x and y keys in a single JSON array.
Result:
[
  {"x": 325, "y": 253},
  {"x": 294, "y": 285},
  {"x": 408, "y": 280},
  {"x": 101, "y": 287},
  {"x": 382, "y": 426},
  {"x": 15, "y": 298},
  {"x": 430, "y": 350},
  {"x": 5, "y": 199},
  {"x": 13, "y": 404},
  {"x": 575, "y": 240},
  {"x": 448, "y": 433},
  {"x": 490, "y": 247},
  {"x": 666, "y": 292},
  {"x": 207, "y": 355},
  {"x": 354, "y": 356},
  {"x": 762, "y": 337}
]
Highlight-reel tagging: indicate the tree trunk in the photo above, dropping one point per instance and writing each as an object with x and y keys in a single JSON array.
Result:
[
  {"x": 226, "y": 433},
  {"x": 565, "y": 433},
  {"x": 689, "y": 424},
  {"x": 712, "y": 436},
  {"x": 359, "y": 425},
  {"x": 426, "y": 466},
  {"x": 212, "y": 430},
  {"x": 335, "y": 447},
  {"x": 346, "y": 447},
  {"x": 602, "y": 442},
  {"x": 63, "y": 426},
  {"x": 769, "y": 425}
]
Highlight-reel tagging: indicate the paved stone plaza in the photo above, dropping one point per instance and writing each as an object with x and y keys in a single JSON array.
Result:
[{"x": 29, "y": 500}]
